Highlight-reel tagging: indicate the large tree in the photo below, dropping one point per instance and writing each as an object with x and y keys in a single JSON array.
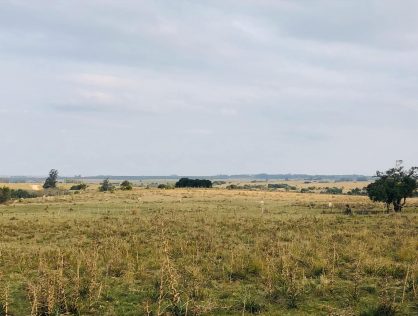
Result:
[
  {"x": 51, "y": 181},
  {"x": 393, "y": 187}
]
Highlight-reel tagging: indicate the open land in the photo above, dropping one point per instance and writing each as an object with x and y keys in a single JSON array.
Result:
[{"x": 207, "y": 252}]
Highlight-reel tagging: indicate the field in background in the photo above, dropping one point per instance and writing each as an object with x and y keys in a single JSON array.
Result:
[{"x": 206, "y": 252}]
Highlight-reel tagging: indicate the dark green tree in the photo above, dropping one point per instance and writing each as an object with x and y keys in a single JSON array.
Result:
[
  {"x": 106, "y": 186},
  {"x": 5, "y": 194},
  {"x": 126, "y": 185},
  {"x": 393, "y": 187},
  {"x": 51, "y": 181}
]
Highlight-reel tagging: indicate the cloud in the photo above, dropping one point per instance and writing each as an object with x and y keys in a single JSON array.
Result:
[{"x": 283, "y": 78}]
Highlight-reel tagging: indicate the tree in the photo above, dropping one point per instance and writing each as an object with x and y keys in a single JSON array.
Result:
[
  {"x": 126, "y": 185},
  {"x": 51, "y": 181},
  {"x": 106, "y": 186},
  {"x": 5, "y": 194},
  {"x": 393, "y": 187}
]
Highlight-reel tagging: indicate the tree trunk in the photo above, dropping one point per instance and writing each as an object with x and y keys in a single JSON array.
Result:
[{"x": 397, "y": 206}]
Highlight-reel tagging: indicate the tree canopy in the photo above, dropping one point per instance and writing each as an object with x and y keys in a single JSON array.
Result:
[
  {"x": 51, "y": 181},
  {"x": 393, "y": 187}
]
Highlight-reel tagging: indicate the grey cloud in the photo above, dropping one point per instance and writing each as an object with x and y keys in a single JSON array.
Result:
[{"x": 209, "y": 87}]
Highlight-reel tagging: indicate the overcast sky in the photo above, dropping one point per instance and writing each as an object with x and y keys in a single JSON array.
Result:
[{"x": 207, "y": 87}]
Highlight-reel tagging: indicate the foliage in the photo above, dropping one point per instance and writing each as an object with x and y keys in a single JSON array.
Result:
[
  {"x": 126, "y": 185},
  {"x": 305, "y": 190},
  {"x": 357, "y": 191},
  {"x": 193, "y": 183},
  {"x": 285, "y": 186},
  {"x": 165, "y": 186},
  {"x": 5, "y": 194},
  {"x": 80, "y": 186},
  {"x": 333, "y": 190},
  {"x": 106, "y": 186},
  {"x": 22, "y": 194},
  {"x": 51, "y": 181},
  {"x": 393, "y": 187}
]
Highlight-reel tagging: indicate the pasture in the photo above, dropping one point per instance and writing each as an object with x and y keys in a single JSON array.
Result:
[{"x": 207, "y": 252}]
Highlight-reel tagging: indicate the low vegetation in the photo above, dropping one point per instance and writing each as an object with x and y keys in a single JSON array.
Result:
[
  {"x": 126, "y": 185},
  {"x": 78, "y": 187},
  {"x": 207, "y": 252}
]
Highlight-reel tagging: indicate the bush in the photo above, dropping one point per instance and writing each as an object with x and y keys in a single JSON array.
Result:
[
  {"x": 357, "y": 191},
  {"x": 77, "y": 187},
  {"x": 193, "y": 183},
  {"x": 22, "y": 194},
  {"x": 126, "y": 185},
  {"x": 165, "y": 186},
  {"x": 285, "y": 186},
  {"x": 5, "y": 194},
  {"x": 106, "y": 186},
  {"x": 305, "y": 190},
  {"x": 333, "y": 190}
]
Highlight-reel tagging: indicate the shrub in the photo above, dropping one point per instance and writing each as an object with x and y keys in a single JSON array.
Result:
[
  {"x": 333, "y": 190},
  {"x": 126, "y": 185},
  {"x": 80, "y": 186},
  {"x": 106, "y": 186},
  {"x": 22, "y": 194},
  {"x": 357, "y": 191},
  {"x": 165, "y": 186},
  {"x": 5, "y": 194}
]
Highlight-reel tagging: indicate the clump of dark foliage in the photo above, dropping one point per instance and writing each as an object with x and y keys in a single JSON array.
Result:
[
  {"x": 78, "y": 187},
  {"x": 193, "y": 183}
]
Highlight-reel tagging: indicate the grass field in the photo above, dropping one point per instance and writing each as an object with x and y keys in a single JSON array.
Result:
[{"x": 206, "y": 252}]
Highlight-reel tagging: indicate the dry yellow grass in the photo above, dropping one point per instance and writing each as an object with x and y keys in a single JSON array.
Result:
[{"x": 206, "y": 252}]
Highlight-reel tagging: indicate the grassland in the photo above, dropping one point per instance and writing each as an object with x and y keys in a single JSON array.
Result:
[{"x": 206, "y": 252}]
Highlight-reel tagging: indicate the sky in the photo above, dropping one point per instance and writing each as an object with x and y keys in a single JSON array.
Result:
[{"x": 207, "y": 87}]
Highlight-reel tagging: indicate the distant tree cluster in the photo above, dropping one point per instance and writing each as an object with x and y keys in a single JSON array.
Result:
[{"x": 193, "y": 183}]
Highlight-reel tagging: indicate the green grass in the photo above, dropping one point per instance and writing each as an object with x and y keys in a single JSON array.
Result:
[{"x": 206, "y": 252}]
